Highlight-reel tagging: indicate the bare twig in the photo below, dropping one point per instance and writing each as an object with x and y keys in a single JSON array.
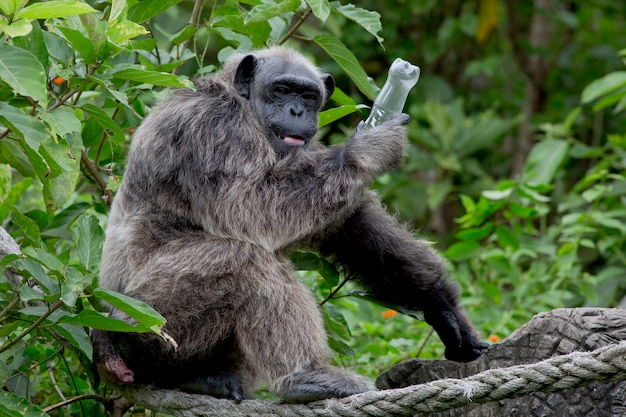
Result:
[
  {"x": 107, "y": 402},
  {"x": 33, "y": 326},
  {"x": 296, "y": 26},
  {"x": 12, "y": 304},
  {"x": 334, "y": 292},
  {"x": 54, "y": 381},
  {"x": 100, "y": 182}
]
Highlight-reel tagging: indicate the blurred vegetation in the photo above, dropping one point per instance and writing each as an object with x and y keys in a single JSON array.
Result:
[{"x": 516, "y": 168}]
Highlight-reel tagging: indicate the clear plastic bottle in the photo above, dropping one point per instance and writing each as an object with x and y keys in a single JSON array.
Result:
[{"x": 401, "y": 78}]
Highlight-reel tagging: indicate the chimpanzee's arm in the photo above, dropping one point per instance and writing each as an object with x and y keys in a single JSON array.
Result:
[{"x": 400, "y": 269}]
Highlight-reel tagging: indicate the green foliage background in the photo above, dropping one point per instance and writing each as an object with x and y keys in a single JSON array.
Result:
[{"x": 525, "y": 230}]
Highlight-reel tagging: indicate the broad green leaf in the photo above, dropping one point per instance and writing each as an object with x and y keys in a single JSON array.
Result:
[
  {"x": 306, "y": 261},
  {"x": 329, "y": 116},
  {"x": 28, "y": 294},
  {"x": 80, "y": 43},
  {"x": 347, "y": 61},
  {"x": 476, "y": 233},
  {"x": 506, "y": 237},
  {"x": 74, "y": 284},
  {"x": 105, "y": 121},
  {"x": 9, "y": 7},
  {"x": 150, "y": 77},
  {"x": 604, "y": 85},
  {"x": 342, "y": 98},
  {"x": 117, "y": 8},
  {"x": 146, "y": 9},
  {"x": 12, "y": 405},
  {"x": 35, "y": 270},
  {"x": 185, "y": 33},
  {"x": 54, "y": 8},
  {"x": 15, "y": 194},
  {"x": 122, "y": 32},
  {"x": 89, "y": 242},
  {"x": 27, "y": 226},
  {"x": 368, "y": 20},
  {"x": 24, "y": 73},
  {"x": 266, "y": 11},
  {"x": 21, "y": 27},
  {"x": 462, "y": 251},
  {"x": 62, "y": 121},
  {"x": 335, "y": 321},
  {"x": 64, "y": 169},
  {"x": 136, "y": 309},
  {"x": 320, "y": 8},
  {"x": 76, "y": 335},
  {"x": 544, "y": 161},
  {"x": 26, "y": 127},
  {"x": 96, "y": 320}
]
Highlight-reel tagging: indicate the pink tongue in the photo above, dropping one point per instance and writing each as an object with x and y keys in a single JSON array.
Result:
[{"x": 293, "y": 141}]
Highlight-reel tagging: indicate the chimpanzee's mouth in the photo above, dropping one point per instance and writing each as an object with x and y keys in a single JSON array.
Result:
[{"x": 293, "y": 140}]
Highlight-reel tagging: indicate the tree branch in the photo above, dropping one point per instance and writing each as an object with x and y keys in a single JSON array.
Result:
[
  {"x": 296, "y": 26},
  {"x": 95, "y": 175},
  {"x": 33, "y": 326}
]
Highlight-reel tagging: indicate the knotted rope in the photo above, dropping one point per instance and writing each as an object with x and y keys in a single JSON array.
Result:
[{"x": 607, "y": 364}]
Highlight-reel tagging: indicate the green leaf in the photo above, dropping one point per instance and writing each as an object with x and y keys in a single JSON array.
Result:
[
  {"x": 136, "y": 309},
  {"x": 462, "y": 251},
  {"x": 604, "y": 85},
  {"x": 95, "y": 320},
  {"x": 506, "y": 237},
  {"x": 62, "y": 121},
  {"x": 89, "y": 242},
  {"x": 347, "y": 61},
  {"x": 306, "y": 261},
  {"x": 320, "y": 8},
  {"x": 122, "y": 32},
  {"x": 28, "y": 227},
  {"x": 329, "y": 116},
  {"x": 76, "y": 335},
  {"x": 335, "y": 321},
  {"x": 139, "y": 74},
  {"x": 265, "y": 11},
  {"x": 36, "y": 272},
  {"x": 12, "y": 405},
  {"x": 147, "y": 9},
  {"x": 74, "y": 284},
  {"x": 24, "y": 73},
  {"x": 476, "y": 233},
  {"x": 54, "y": 8},
  {"x": 9, "y": 7},
  {"x": 14, "y": 195},
  {"x": 117, "y": 8},
  {"x": 80, "y": 43},
  {"x": 544, "y": 161},
  {"x": 368, "y": 20},
  {"x": 21, "y": 27},
  {"x": 104, "y": 120},
  {"x": 26, "y": 127}
]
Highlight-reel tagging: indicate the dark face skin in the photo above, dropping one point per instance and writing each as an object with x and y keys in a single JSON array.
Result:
[{"x": 286, "y": 97}]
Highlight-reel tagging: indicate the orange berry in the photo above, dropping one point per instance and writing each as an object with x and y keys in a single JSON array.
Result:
[
  {"x": 387, "y": 314},
  {"x": 58, "y": 80},
  {"x": 493, "y": 338}
]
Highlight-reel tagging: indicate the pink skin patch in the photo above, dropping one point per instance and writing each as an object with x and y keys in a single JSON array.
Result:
[
  {"x": 116, "y": 370},
  {"x": 294, "y": 141}
]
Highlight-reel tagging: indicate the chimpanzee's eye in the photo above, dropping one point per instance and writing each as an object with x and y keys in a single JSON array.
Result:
[
  {"x": 281, "y": 90},
  {"x": 310, "y": 96}
]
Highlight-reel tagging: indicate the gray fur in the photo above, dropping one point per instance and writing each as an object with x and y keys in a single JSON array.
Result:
[{"x": 202, "y": 225}]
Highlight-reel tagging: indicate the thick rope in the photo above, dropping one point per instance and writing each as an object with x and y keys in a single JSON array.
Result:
[{"x": 607, "y": 364}]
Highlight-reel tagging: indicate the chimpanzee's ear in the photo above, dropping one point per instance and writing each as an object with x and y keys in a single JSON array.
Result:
[
  {"x": 244, "y": 74},
  {"x": 329, "y": 84}
]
